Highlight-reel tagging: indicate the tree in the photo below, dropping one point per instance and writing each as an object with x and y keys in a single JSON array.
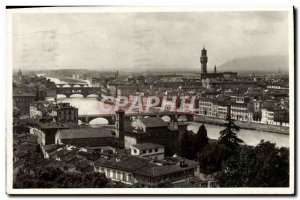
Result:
[
  {"x": 229, "y": 136},
  {"x": 202, "y": 137},
  {"x": 198, "y": 142},
  {"x": 262, "y": 166},
  {"x": 185, "y": 146},
  {"x": 212, "y": 156},
  {"x": 51, "y": 177}
]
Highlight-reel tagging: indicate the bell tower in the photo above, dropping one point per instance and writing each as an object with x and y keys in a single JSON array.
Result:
[
  {"x": 203, "y": 61},
  {"x": 119, "y": 127}
]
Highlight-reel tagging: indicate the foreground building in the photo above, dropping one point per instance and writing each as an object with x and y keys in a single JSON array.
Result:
[
  {"x": 85, "y": 137},
  {"x": 149, "y": 150},
  {"x": 153, "y": 130},
  {"x": 143, "y": 171}
]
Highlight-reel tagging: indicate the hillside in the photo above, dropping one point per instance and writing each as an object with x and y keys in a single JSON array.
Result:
[{"x": 257, "y": 63}]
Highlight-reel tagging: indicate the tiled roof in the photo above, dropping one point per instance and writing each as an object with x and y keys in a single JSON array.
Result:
[
  {"x": 85, "y": 133},
  {"x": 52, "y": 125},
  {"x": 145, "y": 146},
  {"x": 153, "y": 170},
  {"x": 144, "y": 166},
  {"x": 63, "y": 152},
  {"x": 24, "y": 94},
  {"x": 129, "y": 163},
  {"x": 51, "y": 147},
  {"x": 154, "y": 122}
]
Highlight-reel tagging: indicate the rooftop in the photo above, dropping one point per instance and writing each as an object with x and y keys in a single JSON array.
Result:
[
  {"x": 145, "y": 146},
  {"x": 129, "y": 163},
  {"x": 24, "y": 94},
  {"x": 154, "y": 122},
  {"x": 85, "y": 133},
  {"x": 52, "y": 125},
  {"x": 154, "y": 170}
]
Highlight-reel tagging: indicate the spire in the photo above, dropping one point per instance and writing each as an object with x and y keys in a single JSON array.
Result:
[
  {"x": 215, "y": 69},
  {"x": 20, "y": 72},
  {"x": 204, "y": 47}
]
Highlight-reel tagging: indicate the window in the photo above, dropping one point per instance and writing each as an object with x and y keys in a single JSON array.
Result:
[
  {"x": 119, "y": 175},
  {"x": 123, "y": 177},
  {"x": 108, "y": 172},
  {"x": 156, "y": 150},
  {"x": 134, "y": 150},
  {"x": 150, "y": 151},
  {"x": 129, "y": 178},
  {"x": 144, "y": 151},
  {"x": 114, "y": 174},
  {"x": 102, "y": 169}
]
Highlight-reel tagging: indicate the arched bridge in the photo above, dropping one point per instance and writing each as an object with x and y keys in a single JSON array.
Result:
[
  {"x": 83, "y": 90},
  {"x": 71, "y": 85},
  {"x": 111, "y": 117}
]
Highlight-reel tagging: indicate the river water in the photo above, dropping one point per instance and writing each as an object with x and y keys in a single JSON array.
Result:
[
  {"x": 251, "y": 137},
  {"x": 91, "y": 105}
]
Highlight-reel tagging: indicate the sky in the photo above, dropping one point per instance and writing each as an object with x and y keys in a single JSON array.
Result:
[{"x": 144, "y": 41}]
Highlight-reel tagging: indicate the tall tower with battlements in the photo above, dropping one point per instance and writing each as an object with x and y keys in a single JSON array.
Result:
[{"x": 203, "y": 61}]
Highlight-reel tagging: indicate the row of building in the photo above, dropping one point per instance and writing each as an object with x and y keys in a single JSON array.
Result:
[{"x": 140, "y": 151}]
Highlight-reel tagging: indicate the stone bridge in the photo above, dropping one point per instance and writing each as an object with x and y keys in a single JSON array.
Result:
[
  {"x": 111, "y": 117},
  {"x": 78, "y": 89},
  {"x": 71, "y": 85}
]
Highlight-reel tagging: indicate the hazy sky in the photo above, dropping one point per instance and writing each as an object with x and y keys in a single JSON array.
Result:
[{"x": 144, "y": 40}]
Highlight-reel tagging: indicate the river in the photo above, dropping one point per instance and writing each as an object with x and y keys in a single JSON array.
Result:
[
  {"x": 251, "y": 137},
  {"x": 90, "y": 105}
]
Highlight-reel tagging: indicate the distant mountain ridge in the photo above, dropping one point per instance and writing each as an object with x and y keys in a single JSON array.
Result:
[{"x": 257, "y": 63}]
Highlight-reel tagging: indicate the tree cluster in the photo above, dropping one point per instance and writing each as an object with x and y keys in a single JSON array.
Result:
[
  {"x": 191, "y": 144},
  {"x": 264, "y": 165},
  {"x": 56, "y": 178}
]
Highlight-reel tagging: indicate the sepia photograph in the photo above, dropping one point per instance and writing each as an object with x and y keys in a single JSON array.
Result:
[{"x": 150, "y": 100}]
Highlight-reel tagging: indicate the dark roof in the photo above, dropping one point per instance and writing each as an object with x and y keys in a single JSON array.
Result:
[
  {"x": 75, "y": 160},
  {"x": 51, "y": 147},
  {"x": 23, "y": 94},
  {"x": 63, "y": 152},
  {"x": 68, "y": 157},
  {"x": 129, "y": 163},
  {"x": 154, "y": 122},
  {"x": 52, "y": 125},
  {"x": 85, "y": 133},
  {"x": 145, "y": 146},
  {"x": 153, "y": 170}
]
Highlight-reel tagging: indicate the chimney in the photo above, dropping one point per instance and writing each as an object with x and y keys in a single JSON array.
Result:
[{"x": 182, "y": 163}]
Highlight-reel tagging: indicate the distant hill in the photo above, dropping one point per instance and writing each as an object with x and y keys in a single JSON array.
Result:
[{"x": 257, "y": 63}]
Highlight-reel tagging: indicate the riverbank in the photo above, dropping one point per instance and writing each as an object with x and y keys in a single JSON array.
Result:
[{"x": 244, "y": 125}]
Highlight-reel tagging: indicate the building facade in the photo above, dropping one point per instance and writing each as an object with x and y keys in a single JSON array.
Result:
[
  {"x": 148, "y": 150},
  {"x": 64, "y": 112}
]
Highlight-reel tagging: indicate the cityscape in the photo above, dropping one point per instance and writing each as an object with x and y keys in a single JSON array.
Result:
[{"x": 214, "y": 125}]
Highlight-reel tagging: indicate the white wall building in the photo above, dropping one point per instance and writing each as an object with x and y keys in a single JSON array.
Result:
[
  {"x": 149, "y": 150},
  {"x": 267, "y": 116}
]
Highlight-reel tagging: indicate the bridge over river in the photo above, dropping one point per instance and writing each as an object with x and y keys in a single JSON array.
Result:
[
  {"x": 110, "y": 117},
  {"x": 83, "y": 89}
]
